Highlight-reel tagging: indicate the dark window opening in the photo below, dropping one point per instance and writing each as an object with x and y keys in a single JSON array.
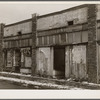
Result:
[
  {"x": 19, "y": 33},
  {"x": 70, "y": 23}
]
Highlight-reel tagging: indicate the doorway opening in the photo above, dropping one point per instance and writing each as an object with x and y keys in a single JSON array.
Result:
[
  {"x": 59, "y": 62},
  {"x": 17, "y": 60}
]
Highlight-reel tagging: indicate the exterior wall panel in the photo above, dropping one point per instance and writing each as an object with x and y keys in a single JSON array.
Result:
[
  {"x": 44, "y": 62},
  {"x": 75, "y": 57},
  {"x": 13, "y": 30},
  {"x": 62, "y": 19}
]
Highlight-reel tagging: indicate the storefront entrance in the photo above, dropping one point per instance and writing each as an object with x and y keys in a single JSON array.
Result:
[
  {"x": 59, "y": 62},
  {"x": 17, "y": 60}
]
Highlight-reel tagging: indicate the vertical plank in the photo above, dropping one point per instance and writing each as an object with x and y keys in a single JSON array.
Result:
[{"x": 67, "y": 62}]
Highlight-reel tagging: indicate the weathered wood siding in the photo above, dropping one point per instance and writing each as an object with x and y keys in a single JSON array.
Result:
[
  {"x": 63, "y": 39},
  {"x": 60, "y": 20},
  {"x": 44, "y": 61},
  {"x": 13, "y": 30},
  {"x": 18, "y": 43},
  {"x": 54, "y": 29},
  {"x": 76, "y": 62}
]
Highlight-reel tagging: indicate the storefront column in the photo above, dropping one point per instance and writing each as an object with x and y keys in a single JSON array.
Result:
[
  {"x": 92, "y": 45},
  {"x": 1, "y": 46},
  {"x": 34, "y": 22}
]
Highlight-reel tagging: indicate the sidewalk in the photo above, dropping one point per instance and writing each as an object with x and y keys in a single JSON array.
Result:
[{"x": 47, "y": 83}]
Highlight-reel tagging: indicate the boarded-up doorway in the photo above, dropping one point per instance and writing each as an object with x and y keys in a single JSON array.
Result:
[
  {"x": 76, "y": 62},
  {"x": 59, "y": 62}
]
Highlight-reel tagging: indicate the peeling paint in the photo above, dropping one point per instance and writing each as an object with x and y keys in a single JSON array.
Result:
[{"x": 44, "y": 62}]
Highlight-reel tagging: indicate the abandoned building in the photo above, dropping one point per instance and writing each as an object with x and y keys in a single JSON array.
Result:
[
  {"x": 17, "y": 46},
  {"x": 68, "y": 43},
  {"x": 64, "y": 44}
]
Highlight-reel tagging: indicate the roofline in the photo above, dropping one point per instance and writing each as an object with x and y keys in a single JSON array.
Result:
[
  {"x": 50, "y": 14},
  {"x": 23, "y": 21},
  {"x": 62, "y": 11}
]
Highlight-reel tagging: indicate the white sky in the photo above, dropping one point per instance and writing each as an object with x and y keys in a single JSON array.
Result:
[{"x": 11, "y": 12}]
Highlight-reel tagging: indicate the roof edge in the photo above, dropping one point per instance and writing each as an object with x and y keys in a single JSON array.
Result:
[
  {"x": 19, "y": 22},
  {"x": 62, "y": 11}
]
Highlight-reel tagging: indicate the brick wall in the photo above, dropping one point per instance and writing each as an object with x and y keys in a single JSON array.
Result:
[
  {"x": 34, "y": 21},
  {"x": 91, "y": 48},
  {"x": 1, "y": 46}
]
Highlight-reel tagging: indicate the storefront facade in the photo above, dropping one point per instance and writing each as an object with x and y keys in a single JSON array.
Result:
[
  {"x": 64, "y": 44},
  {"x": 18, "y": 47}
]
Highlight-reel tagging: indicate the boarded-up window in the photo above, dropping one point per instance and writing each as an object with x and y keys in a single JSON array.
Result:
[
  {"x": 56, "y": 39},
  {"x": 70, "y": 38},
  {"x": 63, "y": 38},
  {"x": 51, "y": 39},
  {"x": 45, "y": 40},
  {"x": 40, "y": 40}
]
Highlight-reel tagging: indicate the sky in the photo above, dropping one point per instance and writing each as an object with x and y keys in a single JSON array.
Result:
[{"x": 11, "y": 12}]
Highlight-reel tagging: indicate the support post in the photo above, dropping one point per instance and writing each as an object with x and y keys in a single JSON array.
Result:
[
  {"x": 34, "y": 24},
  {"x": 1, "y": 46}
]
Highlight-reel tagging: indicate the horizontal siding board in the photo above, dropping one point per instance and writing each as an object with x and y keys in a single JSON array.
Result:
[
  {"x": 66, "y": 38},
  {"x": 17, "y": 37},
  {"x": 69, "y": 29},
  {"x": 18, "y": 43}
]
